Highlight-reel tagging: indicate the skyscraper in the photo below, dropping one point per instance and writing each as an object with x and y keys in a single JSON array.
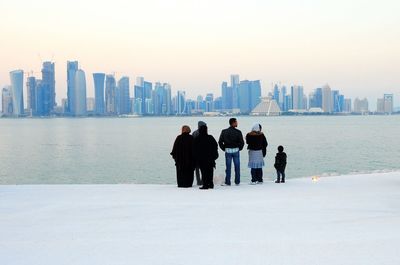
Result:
[
  {"x": 235, "y": 82},
  {"x": 17, "y": 83},
  {"x": 227, "y": 96},
  {"x": 98, "y": 79},
  {"x": 315, "y": 99},
  {"x": 110, "y": 95},
  {"x": 49, "y": 81},
  {"x": 123, "y": 96},
  {"x": 249, "y": 95},
  {"x": 7, "y": 101},
  {"x": 72, "y": 67},
  {"x": 31, "y": 94},
  {"x": 361, "y": 106},
  {"x": 297, "y": 93},
  {"x": 181, "y": 103},
  {"x": 79, "y": 100},
  {"x": 327, "y": 99}
]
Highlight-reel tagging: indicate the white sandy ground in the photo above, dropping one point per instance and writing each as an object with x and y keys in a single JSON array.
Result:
[{"x": 338, "y": 220}]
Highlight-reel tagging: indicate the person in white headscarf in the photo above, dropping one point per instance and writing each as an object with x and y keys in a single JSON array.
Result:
[{"x": 257, "y": 146}]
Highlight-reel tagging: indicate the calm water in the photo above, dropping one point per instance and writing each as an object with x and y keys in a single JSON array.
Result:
[{"x": 136, "y": 150}]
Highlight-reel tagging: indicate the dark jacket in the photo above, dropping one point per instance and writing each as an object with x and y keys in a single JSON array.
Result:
[
  {"x": 182, "y": 152},
  {"x": 205, "y": 150},
  {"x": 280, "y": 161},
  {"x": 257, "y": 141},
  {"x": 231, "y": 138}
]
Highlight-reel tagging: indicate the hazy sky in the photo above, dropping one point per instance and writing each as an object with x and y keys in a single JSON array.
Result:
[{"x": 195, "y": 45}]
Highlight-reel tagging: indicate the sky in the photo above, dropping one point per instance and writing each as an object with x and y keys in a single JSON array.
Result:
[{"x": 195, "y": 45}]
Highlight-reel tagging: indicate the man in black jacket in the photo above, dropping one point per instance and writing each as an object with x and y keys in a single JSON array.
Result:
[{"x": 231, "y": 142}]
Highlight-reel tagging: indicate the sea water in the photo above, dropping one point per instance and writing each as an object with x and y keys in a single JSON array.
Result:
[{"x": 137, "y": 150}]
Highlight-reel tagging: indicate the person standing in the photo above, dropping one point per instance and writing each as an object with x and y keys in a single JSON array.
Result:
[
  {"x": 205, "y": 150},
  {"x": 257, "y": 146},
  {"x": 182, "y": 153},
  {"x": 195, "y": 135},
  {"x": 280, "y": 165},
  {"x": 231, "y": 142}
]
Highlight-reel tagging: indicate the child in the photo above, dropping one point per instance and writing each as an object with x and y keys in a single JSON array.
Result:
[{"x": 280, "y": 165}]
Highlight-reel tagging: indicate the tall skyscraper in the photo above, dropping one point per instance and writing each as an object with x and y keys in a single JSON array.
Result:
[
  {"x": 361, "y": 106},
  {"x": 49, "y": 81},
  {"x": 72, "y": 67},
  {"x": 385, "y": 104},
  {"x": 79, "y": 107},
  {"x": 327, "y": 99},
  {"x": 249, "y": 95},
  {"x": 235, "y": 83},
  {"x": 297, "y": 93},
  {"x": 31, "y": 94},
  {"x": 99, "y": 79},
  {"x": 17, "y": 83},
  {"x": 315, "y": 99},
  {"x": 123, "y": 96},
  {"x": 110, "y": 95},
  {"x": 181, "y": 103},
  {"x": 227, "y": 96},
  {"x": 347, "y": 105},
  {"x": 7, "y": 101}
]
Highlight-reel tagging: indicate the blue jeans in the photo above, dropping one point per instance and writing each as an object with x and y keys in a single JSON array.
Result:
[{"x": 236, "y": 162}]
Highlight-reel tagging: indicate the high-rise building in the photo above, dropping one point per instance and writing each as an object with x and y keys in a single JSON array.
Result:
[
  {"x": 361, "y": 106},
  {"x": 90, "y": 105},
  {"x": 235, "y": 83},
  {"x": 49, "y": 81},
  {"x": 385, "y": 104},
  {"x": 123, "y": 105},
  {"x": 297, "y": 93},
  {"x": 347, "y": 105},
  {"x": 31, "y": 94},
  {"x": 7, "y": 101},
  {"x": 72, "y": 67},
  {"x": 249, "y": 95},
  {"x": 99, "y": 79},
  {"x": 17, "y": 83},
  {"x": 181, "y": 103},
  {"x": 327, "y": 99},
  {"x": 227, "y": 96},
  {"x": 79, "y": 107},
  {"x": 209, "y": 102},
  {"x": 110, "y": 95},
  {"x": 315, "y": 98}
]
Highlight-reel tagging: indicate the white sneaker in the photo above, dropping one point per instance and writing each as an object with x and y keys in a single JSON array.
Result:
[{"x": 253, "y": 183}]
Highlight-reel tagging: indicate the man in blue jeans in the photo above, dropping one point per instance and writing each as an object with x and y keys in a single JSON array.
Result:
[{"x": 231, "y": 142}]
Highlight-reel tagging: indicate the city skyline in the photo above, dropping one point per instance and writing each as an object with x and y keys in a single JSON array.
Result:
[
  {"x": 194, "y": 44},
  {"x": 114, "y": 98}
]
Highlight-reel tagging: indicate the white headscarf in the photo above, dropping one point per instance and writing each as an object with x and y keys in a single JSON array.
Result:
[{"x": 256, "y": 128}]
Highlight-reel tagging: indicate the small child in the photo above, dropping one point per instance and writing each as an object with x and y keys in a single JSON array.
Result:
[{"x": 280, "y": 165}]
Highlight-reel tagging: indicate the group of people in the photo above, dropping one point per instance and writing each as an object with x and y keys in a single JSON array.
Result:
[{"x": 198, "y": 152}]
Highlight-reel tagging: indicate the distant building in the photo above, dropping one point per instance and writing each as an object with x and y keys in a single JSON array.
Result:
[
  {"x": 99, "y": 79},
  {"x": 249, "y": 95},
  {"x": 111, "y": 108},
  {"x": 385, "y": 104},
  {"x": 31, "y": 94},
  {"x": 181, "y": 103},
  {"x": 315, "y": 98},
  {"x": 72, "y": 67},
  {"x": 17, "y": 83},
  {"x": 267, "y": 107},
  {"x": 49, "y": 84},
  {"x": 327, "y": 102},
  {"x": 347, "y": 106},
  {"x": 227, "y": 96},
  {"x": 297, "y": 97},
  {"x": 235, "y": 83},
  {"x": 7, "y": 101},
  {"x": 361, "y": 106},
  {"x": 79, "y": 107},
  {"x": 123, "y": 97},
  {"x": 90, "y": 105}
]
